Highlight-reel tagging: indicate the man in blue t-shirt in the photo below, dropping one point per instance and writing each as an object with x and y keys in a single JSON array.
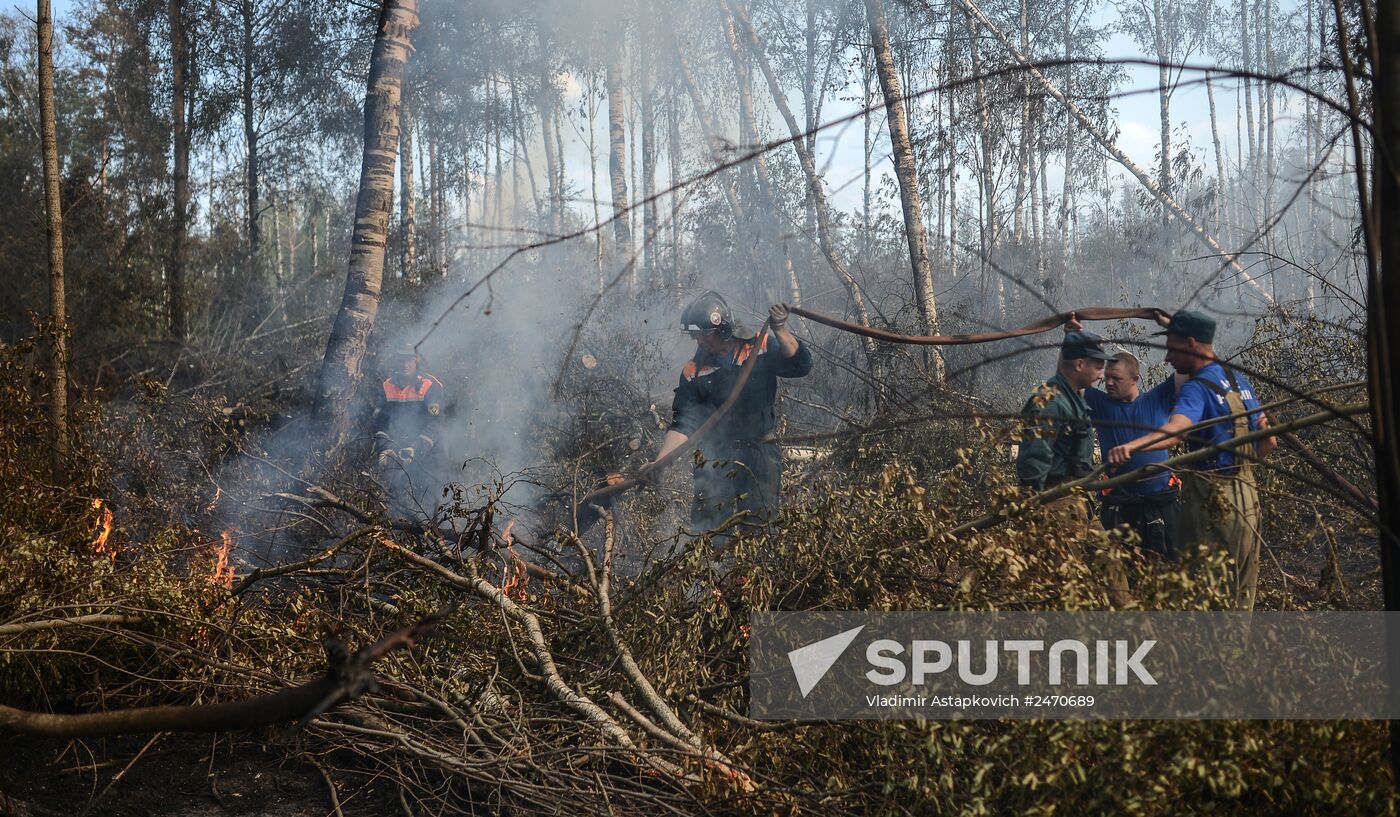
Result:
[
  {"x": 1220, "y": 500},
  {"x": 1121, "y": 413}
]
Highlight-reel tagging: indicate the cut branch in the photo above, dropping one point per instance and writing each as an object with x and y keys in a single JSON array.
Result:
[{"x": 96, "y": 619}]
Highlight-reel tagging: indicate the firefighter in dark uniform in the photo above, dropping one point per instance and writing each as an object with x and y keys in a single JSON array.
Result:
[
  {"x": 739, "y": 467},
  {"x": 406, "y": 423},
  {"x": 1058, "y": 446}
]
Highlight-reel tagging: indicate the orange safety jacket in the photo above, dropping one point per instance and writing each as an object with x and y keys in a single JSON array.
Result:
[{"x": 406, "y": 414}]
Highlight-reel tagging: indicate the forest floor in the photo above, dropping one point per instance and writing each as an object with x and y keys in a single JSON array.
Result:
[
  {"x": 178, "y": 776},
  {"x": 207, "y": 776}
]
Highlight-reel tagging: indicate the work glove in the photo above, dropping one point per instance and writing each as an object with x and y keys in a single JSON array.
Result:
[
  {"x": 385, "y": 457},
  {"x": 777, "y": 315},
  {"x": 406, "y": 454}
]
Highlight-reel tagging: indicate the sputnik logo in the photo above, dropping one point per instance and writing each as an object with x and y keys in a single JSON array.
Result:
[{"x": 811, "y": 663}]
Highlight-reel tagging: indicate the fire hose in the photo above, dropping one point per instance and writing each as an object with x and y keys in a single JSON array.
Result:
[
  {"x": 1090, "y": 313},
  {"x": 604, "y": 494},
  {"x": 1094, "y": 313}
]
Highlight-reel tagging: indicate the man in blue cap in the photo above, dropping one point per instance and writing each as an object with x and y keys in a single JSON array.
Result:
[
  {"x": 1058, "y": 443},
  {"x": 1220, "y": 499}
]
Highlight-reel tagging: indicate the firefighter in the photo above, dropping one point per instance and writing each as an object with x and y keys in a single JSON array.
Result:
[
  {"x": 739, "y": 468},
  {"x": 1120, "y": 413},
  {"x": 1057, "y": 446},
  {"x": 406, "y": 419},
  {"x": 1220, "y": 497}
]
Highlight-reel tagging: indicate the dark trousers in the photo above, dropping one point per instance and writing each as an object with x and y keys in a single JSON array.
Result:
[
  {"x": 1153, "y": 516},
  {"x": 740, "y": 477}
]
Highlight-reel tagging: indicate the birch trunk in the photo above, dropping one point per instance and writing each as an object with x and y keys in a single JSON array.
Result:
[
  {"x": 250, "y": 138},
  {"x": 987, "y": 229},
  {"x": 408, "y": 205},
  {"x": 762, "y": 175},
  {"x": 1219, "y": 158},
  {"x": 1268, "y": 114},
  {"x": 1248, "y": 89},
  {"x": 907, "y": 173},
  {"x": 673, "y": 160},
  {"x": 592, "y": 111},
  {"x": 1069, "y": 134},
  {"x": 278, "y": 281},
  {"x": 53, "y": 226},
  {"x": 552, "y": 158},
  {"x": 341, "y": 368},
  {"x": 809, "y": 104},
  {"x": 710, "y": 130},
  {"x": 1164, "y": 172},
  {"x": 179, "y": 56},
  {"x": 434, "y": 171},
  {"x": 521, "y": 155},
  {"x": 617, "y": 156},
  {"x": 649, "y": 220},
  {"x": 1018, "y": 219}
]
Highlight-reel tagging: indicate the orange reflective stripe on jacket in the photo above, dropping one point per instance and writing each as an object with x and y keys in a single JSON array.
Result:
[
  {"x": 395, "y": 393},
  {"x": 692, "y": 370},
  {"x": 743, "y": 352}
]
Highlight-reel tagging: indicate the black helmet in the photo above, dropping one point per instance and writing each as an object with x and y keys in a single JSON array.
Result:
[{"x": 708, "y": 313}]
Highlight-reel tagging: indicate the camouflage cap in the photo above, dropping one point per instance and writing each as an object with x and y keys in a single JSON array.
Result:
[
  {"x": 1083, "y": 344},
  {"x": 1188, "y": 323}
]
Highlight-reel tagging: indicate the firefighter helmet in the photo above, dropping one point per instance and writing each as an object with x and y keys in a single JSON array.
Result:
[
  {"x": 404, "y": 350},
  {"x": 708, "y": 313}
]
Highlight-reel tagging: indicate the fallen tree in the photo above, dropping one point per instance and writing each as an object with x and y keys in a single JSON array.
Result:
[{"x": 347, "y": 677}]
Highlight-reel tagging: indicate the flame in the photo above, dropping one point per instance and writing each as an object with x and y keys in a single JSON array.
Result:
[
  {"x": 223, "y": 571},
  {"x": 517, "y": 583},
  {"x": 517, "y": 580},
  {"x": 99, "y": 545}
]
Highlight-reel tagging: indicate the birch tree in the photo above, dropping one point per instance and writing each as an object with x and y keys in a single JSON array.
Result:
[
  {"x": 341, "y": 368},
  {"x": 1171, "y": 31},
  {"x": 180, "y": 137},
  {"x": 53, "y": 225},
  {"x": 907, "y": 173}
]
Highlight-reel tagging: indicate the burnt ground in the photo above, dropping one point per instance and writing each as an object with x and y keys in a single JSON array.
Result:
[
  {"x": 178, "y": 776},
  {"x": 200, "y": 776},
  {"x": 1311, "y": 580}
]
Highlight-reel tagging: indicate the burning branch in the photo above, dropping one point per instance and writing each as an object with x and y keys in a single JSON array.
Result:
[
  {"x": 99, "y": 545},
  {"x": 223, "y": 571}
]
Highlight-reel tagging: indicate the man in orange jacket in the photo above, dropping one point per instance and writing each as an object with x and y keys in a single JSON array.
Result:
[{"x": 408, "y": 415}]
